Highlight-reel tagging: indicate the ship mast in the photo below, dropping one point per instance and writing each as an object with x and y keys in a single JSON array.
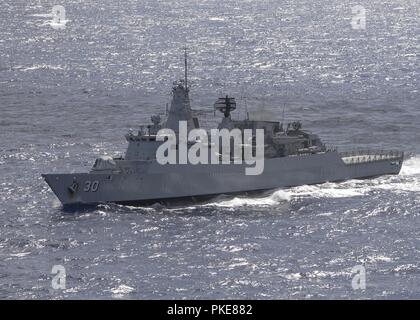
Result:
[{"x": 186, "y": 68}]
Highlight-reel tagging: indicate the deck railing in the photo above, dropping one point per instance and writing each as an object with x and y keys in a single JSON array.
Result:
[{"x": 362, "y": 156}]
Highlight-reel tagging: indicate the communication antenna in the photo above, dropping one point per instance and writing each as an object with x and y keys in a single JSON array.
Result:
[
  {"x": 282, "y": 117},
  {"x": 263, "y": 105},
  {"x": 186, "y": 68}
]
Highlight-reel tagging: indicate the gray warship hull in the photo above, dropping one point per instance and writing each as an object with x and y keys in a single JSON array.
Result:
[{"x": 137, "y": 182}]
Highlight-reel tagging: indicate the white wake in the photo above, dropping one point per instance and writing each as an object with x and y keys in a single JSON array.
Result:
[{"x": 407, "y": 181}]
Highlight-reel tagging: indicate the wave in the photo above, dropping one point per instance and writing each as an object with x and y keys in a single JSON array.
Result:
[
  {"x": 40, "y": 66},
  {"x": 273, "y": 199}
]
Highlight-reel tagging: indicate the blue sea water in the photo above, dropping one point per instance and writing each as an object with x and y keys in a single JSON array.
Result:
[{"x": 69, "y": 95}]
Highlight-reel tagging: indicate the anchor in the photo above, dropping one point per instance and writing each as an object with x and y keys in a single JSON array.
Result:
[{"x": 74, "y": 186}]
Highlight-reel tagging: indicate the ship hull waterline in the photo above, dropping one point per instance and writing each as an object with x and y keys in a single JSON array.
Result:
[{"x": 155, "y": 183}]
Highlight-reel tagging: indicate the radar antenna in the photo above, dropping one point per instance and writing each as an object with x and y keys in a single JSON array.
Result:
[{"x": 225, "y": 105}]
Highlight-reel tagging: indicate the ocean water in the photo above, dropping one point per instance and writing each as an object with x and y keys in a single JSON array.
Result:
[{"x": 69, "y": 95}]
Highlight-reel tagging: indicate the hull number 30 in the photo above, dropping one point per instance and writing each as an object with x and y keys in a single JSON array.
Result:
[{"x": 91, "y": 186}]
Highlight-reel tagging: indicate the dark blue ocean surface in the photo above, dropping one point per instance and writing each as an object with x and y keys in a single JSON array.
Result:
[{"x": 69, "y": 95}]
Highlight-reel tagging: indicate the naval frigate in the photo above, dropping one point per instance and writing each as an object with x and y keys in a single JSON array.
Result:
[{"x": 292, "y": 157}]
